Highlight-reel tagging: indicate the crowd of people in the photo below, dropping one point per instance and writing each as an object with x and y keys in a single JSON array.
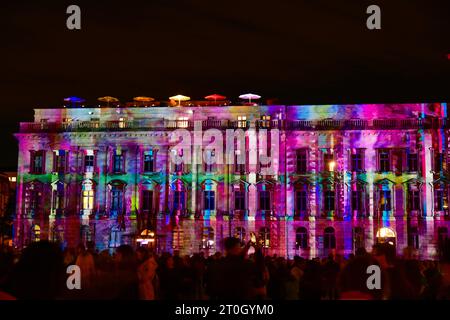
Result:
[{"x": 40, "y": 272}]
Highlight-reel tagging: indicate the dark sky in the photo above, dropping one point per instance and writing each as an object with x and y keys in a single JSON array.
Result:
[{"x": 298, "y": 51}]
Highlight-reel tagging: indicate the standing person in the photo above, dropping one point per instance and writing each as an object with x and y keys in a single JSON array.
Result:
[
  {"x": 126, "y": 276},
  {"x": 85, "y": 261},
  {"x": 40, "y": 273},
  {"x": 235, "y": 276},
  {"x": 146, "y": 273},
  {"x": 169, "y": 279}
]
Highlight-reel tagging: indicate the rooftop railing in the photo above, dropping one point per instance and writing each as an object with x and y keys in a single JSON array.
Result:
[{"x": 301, "y": 125}]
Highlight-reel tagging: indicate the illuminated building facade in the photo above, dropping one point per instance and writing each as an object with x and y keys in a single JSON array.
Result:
[{"x": 345, "y": 176}]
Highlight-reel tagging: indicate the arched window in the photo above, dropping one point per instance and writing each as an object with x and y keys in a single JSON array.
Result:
[
  {"x": 240, "y": 233},
  {"x": 301, "y": 238},
  {"x": 329, "y": 238},
  {"x": 264, "y": 237},
  {"x": 208, "y": 238},
  {"x": 358, "y": 238},
  {"x": 413, "y": 237},
  {"x": 35, "y": 233}
]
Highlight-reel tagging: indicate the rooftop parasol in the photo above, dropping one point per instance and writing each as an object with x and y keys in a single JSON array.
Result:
[
  {"x": 249, "y": 97},
  {"x": 108, "y": 99},
  {"x": 180, "y": 98},
  {"x": 74, "y": 100},
  {"x": 215, "y": 97},
  {"x": 143, "y": 99}
]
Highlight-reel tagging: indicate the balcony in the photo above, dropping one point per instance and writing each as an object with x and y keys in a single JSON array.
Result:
[{"x": 301, "y": 125}]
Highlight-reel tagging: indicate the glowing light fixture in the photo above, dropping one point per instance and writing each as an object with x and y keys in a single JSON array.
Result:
[
  {"x": 249, "y": 97},
  {"x": 385, "y": 233},
  {"x": 180, "y": 98}
]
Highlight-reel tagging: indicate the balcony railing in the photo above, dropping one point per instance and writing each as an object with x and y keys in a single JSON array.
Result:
[{"x": 301, "y": 125}]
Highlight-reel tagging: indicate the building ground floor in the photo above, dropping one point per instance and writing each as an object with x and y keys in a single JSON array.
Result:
[{"x": 284, "y": 237}]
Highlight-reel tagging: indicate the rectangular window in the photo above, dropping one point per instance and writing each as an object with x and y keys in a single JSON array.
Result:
[
  {"x": 239, "y": 200},
  {"x": 89, "y": 162},
  {"x": 413, "y": 162},
  {"x": 118, "y": 162},
  {"x": 439, "y": 199},
  {"x": 385, "y": 201},
  {"x": 357, "y": 161},
  {"x": 328, "y": 162},
  {"x": 414, "y": 199},
  {"x": 264, "y": 200},
  {"x": 209, "y": 203},
  {"x": 242, "y": 122},
  {"x": 210, "y": 160},
  {"x": 178, "y": 167},
  {"x": 182, "y": 122},
  {"x": 384, "y": 160},
  {"x": 178, "y": 200},
  {"x": 397, "y": 160},
  {"x": 265, "y": 121},
  {"x": 88, "y": 199},
  {"x": 147, "y": 200},
  {"x": 302, "y": 201},
  {"x": 116, "y": 200},
  {"x": 329, "y": 200},
  {"x": 37, "y": 162},
  {"x": 239, "y": 168},
  {"x": 356, "y": 200},
  {"x": 149, "y": 161},
  {"x": 302, "y": 161},
  {"x": 438, "y": 162}
]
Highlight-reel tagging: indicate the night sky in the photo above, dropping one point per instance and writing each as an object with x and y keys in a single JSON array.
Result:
[{"x": 298, "y": 51}]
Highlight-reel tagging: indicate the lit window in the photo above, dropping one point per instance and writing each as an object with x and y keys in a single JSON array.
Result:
[
  {"x": 35, "y": 233},
  {"x": 182, "y": 122},
  {"x": 122, "y": 123},
  {"x": 264, "y": 237},
  {"x": 208, "y": 238},
  {"x": 242, "y": 121},
  {"x": 177, "y": 235},
  {"x": 328, "y": 162}
]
